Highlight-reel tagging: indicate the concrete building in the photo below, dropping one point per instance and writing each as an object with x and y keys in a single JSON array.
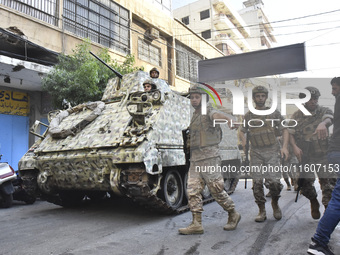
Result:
[
  {"x": 217, "y": 22},
  {"x": 33, "y": 33},
  {"x": 261, "y": 36},
  {"x": 230, "y": 31}
]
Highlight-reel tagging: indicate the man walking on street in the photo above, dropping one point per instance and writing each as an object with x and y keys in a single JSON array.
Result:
[
  {"x": 265, "y": 151},
  {"x": 204, "y": 160},
  {"x": 309, "y": 140},
  {"x": 331, "y": 217}
]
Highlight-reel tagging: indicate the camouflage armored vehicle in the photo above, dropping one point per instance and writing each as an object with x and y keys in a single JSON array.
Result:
[{"x": 130, "y": 144}]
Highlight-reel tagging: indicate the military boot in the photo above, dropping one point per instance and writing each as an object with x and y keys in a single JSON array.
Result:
[
  {"x": 289, "y": 187},
  {"x": 195, "y": 227},
  {"x": 233, "y": 219},
  {"x": 276, "y": 209},
  {"x": 314, "y": 205},
  {"x": 261, "y": 217}
]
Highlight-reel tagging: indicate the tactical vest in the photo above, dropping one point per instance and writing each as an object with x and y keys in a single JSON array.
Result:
[
  {"x": 262, "y": 136},
  {"x": 203, "y": 133},
  {"x": 304, "y": 133}
]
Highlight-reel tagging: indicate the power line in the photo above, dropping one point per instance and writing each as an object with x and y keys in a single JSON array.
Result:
[
  {"x": 257, "y": 37},
  {"x": 285, "y": 20},
  {"x": 174, "y": 47}
]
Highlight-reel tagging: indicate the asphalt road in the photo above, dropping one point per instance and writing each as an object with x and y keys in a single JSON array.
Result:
[{"x": 118, "y": 226}]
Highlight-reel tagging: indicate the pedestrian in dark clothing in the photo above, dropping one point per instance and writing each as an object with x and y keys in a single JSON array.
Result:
[{"x": 331, "y": 217}]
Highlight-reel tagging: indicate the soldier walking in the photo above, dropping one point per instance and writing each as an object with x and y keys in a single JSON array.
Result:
[
  {"x": 204, "y": 159},
  {"x": 309, "y": 139},
  {"x": 331, "y": 217},
  {"x": 265, "y": 151}
]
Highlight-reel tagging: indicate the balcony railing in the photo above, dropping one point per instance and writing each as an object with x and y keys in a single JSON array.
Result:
[{"x": 45, "y": 10}]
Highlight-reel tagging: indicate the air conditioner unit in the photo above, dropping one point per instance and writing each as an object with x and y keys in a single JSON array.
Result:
[{"x": 154, "y": 33}]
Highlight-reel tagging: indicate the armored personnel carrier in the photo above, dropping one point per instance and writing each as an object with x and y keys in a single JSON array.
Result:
[{"x": 129, "y": 144}]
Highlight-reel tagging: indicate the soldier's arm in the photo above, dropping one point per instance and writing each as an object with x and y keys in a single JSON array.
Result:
[
  {"x": 322, "y": 128},
  {"x": 285, "y": 141},
  {"x": 297, "y": 151},
  {"x": 242, "y": 136}
]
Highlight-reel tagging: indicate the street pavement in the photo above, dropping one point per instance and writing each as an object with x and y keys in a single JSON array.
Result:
[{"x": 118, "y": 226}]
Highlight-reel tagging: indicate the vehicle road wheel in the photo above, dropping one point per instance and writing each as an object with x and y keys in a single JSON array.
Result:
[
  {"x": 172, "y": 189},
  {"x": 185, "y": 185},
  {"x": 29, "y": 199},
  {"x": 7, "y": 200}
]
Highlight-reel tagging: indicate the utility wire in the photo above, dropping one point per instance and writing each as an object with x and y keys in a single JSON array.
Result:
[{"x": 285, "y": 20}]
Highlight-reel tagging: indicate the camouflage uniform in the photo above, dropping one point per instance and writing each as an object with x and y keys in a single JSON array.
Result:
[
  {"x": 203, "y": 156},
  {"x": 205, "y": 167},
  {"x": 264, "y": 151},
  {"x": 317, "y": 149},
  {"x": 290, "y": 164}
]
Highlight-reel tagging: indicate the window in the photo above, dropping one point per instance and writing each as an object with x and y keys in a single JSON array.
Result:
[
  {"x": 205, "y": 14},
  {"x": 105, "y": 24},
  {"x": 224, "y": 48},
  {"x": 186, "y": 62},
  {"x": 166, "y": 4},
  {"x": 206, "y": 34},
  {"x": 45, "y": 10},
  {"x": 185, "y": 20},
  {"x": 149, "y": 52}
]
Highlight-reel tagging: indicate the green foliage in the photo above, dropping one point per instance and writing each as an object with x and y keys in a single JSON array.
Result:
[{"x": 80, "y": 77}]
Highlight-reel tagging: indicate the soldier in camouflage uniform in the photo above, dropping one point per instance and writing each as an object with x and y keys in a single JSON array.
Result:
[
  {"x": 204, "y": 150},
  {"x": 149, "y": 85},
  {"x": 309, "y": 140},
  {"x": 154, "y": 73},
  {"x": 265, "y": 151}
]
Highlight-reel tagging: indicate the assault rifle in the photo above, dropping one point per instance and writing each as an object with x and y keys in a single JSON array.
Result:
[
  {"x": 305, "y": 146},
  {"x": 186, "y": 145},
  {"x": 246, "y": 162}
]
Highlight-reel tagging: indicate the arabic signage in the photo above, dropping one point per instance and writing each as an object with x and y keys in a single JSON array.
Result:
[{"x": 14, "y": 103}]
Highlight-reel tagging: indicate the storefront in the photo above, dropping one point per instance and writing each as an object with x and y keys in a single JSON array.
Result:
[
  {"x": 22, "y": 101},
  {"x": 14, "y": 119}
]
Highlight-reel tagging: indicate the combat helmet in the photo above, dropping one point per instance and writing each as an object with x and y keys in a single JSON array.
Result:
[
  {"x": 197, "y": 90},
  {"x": 153, "y": 85},
  {"x": 154, "y": 69},
  {"x": 313, "y": 91},
  {"x": 260, "y": 89}
]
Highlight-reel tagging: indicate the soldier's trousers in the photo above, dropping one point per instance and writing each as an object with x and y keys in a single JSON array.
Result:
[
  {"x": 265, "y": 164},
  {"x": 206, "y": 172},
  {"x": 327, "y": 180}
]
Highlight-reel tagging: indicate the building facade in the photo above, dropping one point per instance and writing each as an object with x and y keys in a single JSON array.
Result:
[
  {"x": 44, "y": 28},
  {"x": 231, "y": 31},
  {"x": 260, "y": 28}
]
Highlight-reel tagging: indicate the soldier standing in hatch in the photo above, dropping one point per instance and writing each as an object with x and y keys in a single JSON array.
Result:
[
  {"x": 204, "y": 140},
  {"x": 265, "y": 151},
  {"x": 154, "y": 73},
  {"x": 149, "y": 85},
  {"x": 309, "y": 139}
]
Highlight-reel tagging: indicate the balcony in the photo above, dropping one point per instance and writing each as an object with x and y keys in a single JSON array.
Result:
[
  {"x": 223, "y": 7},
  {"x": 225, "y": 26}
]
